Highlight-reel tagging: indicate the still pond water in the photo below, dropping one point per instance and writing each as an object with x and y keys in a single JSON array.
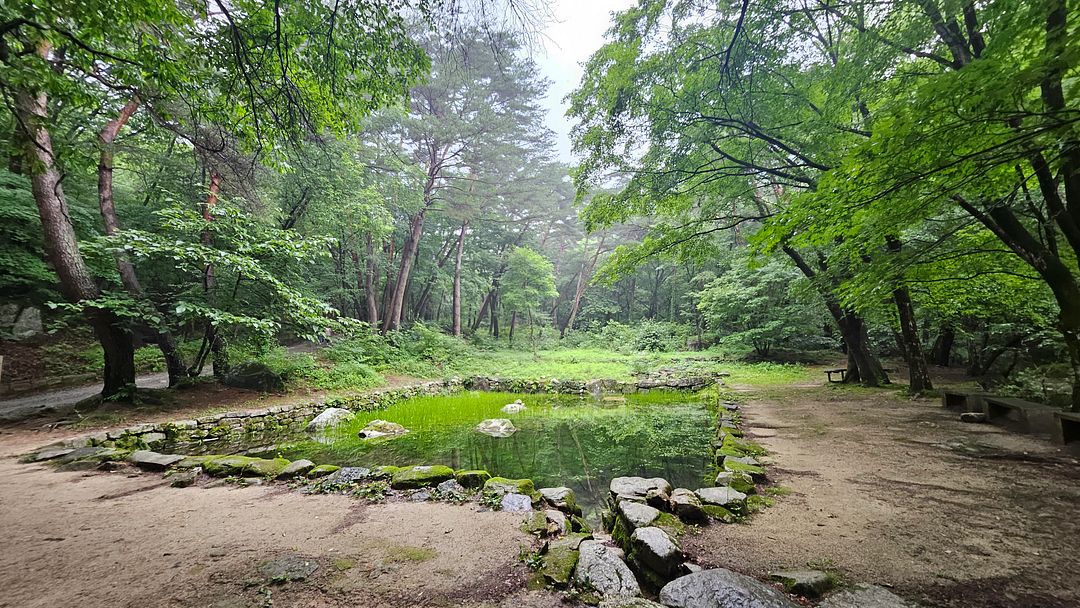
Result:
[{"x": 561, "y": 440}]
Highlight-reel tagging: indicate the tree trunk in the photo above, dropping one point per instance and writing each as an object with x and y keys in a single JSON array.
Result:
[
  {"x": 862, "y": 365},
  {"x": 174, "y": 361},
  {"x": 918, "y": 372},
  {"x": 372, "y": 314},
  {"x": 513, "y": 324},
  {"x": 408, "y": 254},
  {"x": 941, "y": 352},
  {"x": 220, "y": 358},
  {"x": 62, "y": 246},
  {"x": 457, "y": 281},
  {"x": 582, "y": 282},
  {"x": 495, "y": 312},
  {"x": 483, "y": 309}
]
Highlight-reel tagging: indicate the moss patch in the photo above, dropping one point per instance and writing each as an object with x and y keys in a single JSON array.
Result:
[
  {"x": 322, "y": 470},
  {"x": 420, "y": 476},
  {"x": 244, "y": 466},
  {"x": 472, "y": 479},
  {"x": 405, "y": 553}
]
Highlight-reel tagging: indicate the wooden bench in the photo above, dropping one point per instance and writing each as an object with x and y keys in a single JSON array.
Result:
[
  {"x": 1024, "y": 416},
  {"x": 839, "y": 370},
  {"x": 1068, "y": 427},
  {"x": 965, "y": 401}
]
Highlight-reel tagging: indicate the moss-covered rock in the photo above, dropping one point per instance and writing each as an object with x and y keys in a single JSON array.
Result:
[
  {"x": 474, "y": 478},
  {"x": 559, "y": 564},
  {"x": 244, "y": 466},
  {"x": 421, "y": 476},
  {"x": 756, "y": 472},
  {"x": 720, "y": 514},
  {"x": 535, "y": 523},
  {"x": 322, "y": 470},
  {"x": 743, "y": 445},
  {"x": 736, "y": 481},
  {"x": 502, "y": 485},
  {"x": 190, "y": 462},
  {"x": 670, "y": 524},
  {"x": 385, "y": 471}
]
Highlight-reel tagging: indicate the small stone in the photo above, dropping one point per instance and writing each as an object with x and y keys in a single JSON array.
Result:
[
  {"x": 344, "y": 475},
  {"x": 639, "y": 489},
  {"x": 420, "y": 476},
  {"x": 687, "y": 506},
  {"x": 382, "y": 428},
  {"x": 151, "y": 439},
  {"x": 600, "y": 568},
  {"x": 738, "y": 481},
  {"x": 472, "y": 478},
  {"x": 48, "y": 453},
  {"x": 516, "y": 503},
  {"x": 562, "y": 499},
  {"x": 451, "y": 489},
  {"x": 185, "y": 478},
  {"x": 322, "y": 470},
  {"x": 729, "y": 498},
  {"x": 152, "y": 461},
  {"x": 329, "y": 418},
  {"x": 865, "y": 596},
  {"x": 296, "y": 468},
  {"x": 807, "y": 583},
  {"x": 513, "y": 408},
  {"x": 653, "y": 548},
  {"x": 637, "y": 515},
  {"x": 557, "y": 523},
  {"x": 973, "y": 417},
  {"x": 95, "y": 454},
  {"x": 502, "y": 485},
  {"x": 288, "y": 568},
  {"x": 721, "y": 588}
]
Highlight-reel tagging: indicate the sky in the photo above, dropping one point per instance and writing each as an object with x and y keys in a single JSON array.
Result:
[{"x": 575, "y": 32}]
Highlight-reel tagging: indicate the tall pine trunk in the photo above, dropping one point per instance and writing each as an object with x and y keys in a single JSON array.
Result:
[
  {"x": 401, "y": 283},
  {"x": 62, "y": 246},
  {"x": 457, "y": 280},
  {"x": 174, "y": 361}
]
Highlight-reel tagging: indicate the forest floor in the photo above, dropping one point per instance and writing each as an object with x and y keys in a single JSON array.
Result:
[{"x": 883, "y": 489}]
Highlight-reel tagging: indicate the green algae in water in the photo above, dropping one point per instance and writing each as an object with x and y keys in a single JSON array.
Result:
[{"x": 561, "y": 440}]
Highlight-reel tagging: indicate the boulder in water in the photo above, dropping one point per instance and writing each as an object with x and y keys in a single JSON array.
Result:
[
  {"x": 497, "y": 427},
  {"x": 513, "y": 408},
  {"x": 381, "y": 428},
  {"x": 329, "y": 418}
]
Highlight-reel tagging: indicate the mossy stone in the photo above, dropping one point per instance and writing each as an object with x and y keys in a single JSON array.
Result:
[
  {"x": 473, "y": 478},
  {"x": 322, "y": 470},
  {"x": 502, "y": 485},
  {"x": 384, "y": 472},
  {"x": 756, "y": 472},
  {"x": 719, "y": 513},
  {"x": 738, "y": 481},
  {"x": 191, "y": 462},
  {"x": 244, "y": 466},
  {"x": 743, "y": 445},
  {"x": 671, "y": 524},
  {"x": 535, "y": 523},
  {"x": 559, "y": 564},
  {"x": 420, "y": 476}
]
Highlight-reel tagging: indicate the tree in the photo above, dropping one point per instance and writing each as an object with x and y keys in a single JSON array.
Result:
[{"x": 529, "y": 280}]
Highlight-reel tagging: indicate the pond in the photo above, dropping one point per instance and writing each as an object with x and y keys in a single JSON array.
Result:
[{"x": 573, "y": 441}]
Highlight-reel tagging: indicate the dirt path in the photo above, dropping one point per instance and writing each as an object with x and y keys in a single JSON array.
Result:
[
  {"x": 901, "y": 493},
  {"x": 63, "y": 400},
  {"x": 110, "y": 539}
]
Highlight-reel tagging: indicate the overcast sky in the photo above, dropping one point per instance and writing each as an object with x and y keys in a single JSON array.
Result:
[{"x": 577, "y": 31}]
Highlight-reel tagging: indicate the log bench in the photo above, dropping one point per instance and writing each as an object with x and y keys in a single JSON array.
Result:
[
  {"x": 1068, "y": 428},
  {"x": 1023, "y": 416},
  {"x": 839, "y": 370},
  {"x": 965, "y": 401}
]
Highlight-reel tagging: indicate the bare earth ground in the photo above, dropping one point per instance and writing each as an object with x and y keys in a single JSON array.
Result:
[
  {"x": 899, "y": 492},
  {"x": 884, "y": 490}
]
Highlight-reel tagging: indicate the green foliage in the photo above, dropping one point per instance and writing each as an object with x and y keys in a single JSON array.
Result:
[{"x": 764, "y": 307}]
